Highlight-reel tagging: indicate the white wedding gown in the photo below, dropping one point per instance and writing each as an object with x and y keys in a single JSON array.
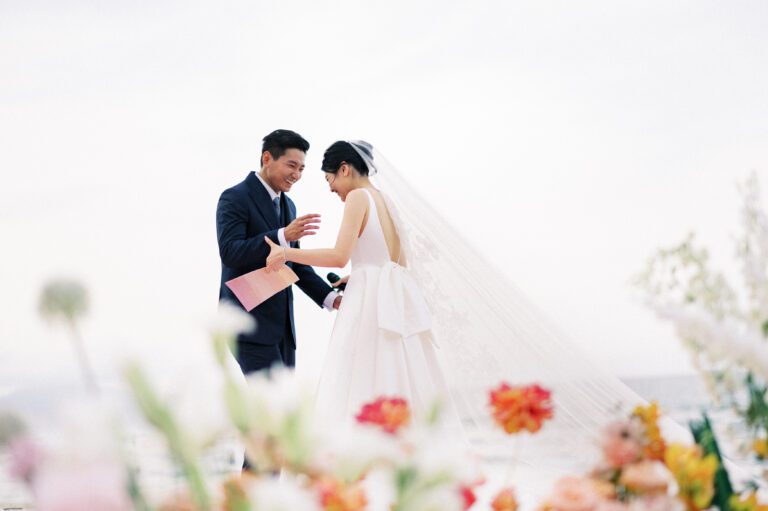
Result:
[{"x": 382, "y": 344}]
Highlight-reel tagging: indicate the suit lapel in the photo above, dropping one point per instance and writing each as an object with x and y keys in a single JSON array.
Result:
[{"x": 261, "y": 199}]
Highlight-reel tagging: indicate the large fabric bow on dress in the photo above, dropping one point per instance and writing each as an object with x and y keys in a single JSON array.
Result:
[{"x": 402, "y": 308}]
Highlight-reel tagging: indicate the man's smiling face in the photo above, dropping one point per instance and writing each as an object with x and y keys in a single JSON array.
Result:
[{"x": 282, "y": 173}]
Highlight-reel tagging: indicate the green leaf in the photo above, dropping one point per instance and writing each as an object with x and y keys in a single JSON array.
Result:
[{"x": 705, "y": 437}]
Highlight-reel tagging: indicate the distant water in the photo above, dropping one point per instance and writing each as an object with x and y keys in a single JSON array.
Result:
[{"x": 681, "y": 396}]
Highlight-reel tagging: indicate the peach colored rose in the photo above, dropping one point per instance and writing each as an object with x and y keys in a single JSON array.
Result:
[
  {"x": 621, "y": 443},
  {"x": 646, "y": 476},
  {"x": 574, "y": 494}
]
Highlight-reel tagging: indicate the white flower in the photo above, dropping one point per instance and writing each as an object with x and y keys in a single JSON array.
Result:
[
  {"x": 231, "y": 320},
  {"x": 277, "y": 394},
  {"x": 199, "y": 408},
  {"x": 274, "y": 495},
  {"x": 280, "y": 407},
  {"x": 443, "y": 498},
  {"x": 349, "y": 452},
  {"x": 726, "y": 339},
  {"x": 438, "y": 453}
]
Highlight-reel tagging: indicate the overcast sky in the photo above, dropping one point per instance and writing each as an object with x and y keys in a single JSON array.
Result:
[{"x": 567, "y": 140}]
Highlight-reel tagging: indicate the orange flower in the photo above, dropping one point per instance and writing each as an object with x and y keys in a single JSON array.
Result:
[
  {"x": 654, "y": 443},
  {"x": 336, "y": 496},
  {"x": 504, "y": 501},
  {"x": 388, "y": 413},
  {"x": 520, "y": 408}
]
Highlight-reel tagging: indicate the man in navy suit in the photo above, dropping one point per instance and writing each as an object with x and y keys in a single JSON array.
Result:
[{"x": 246, "y": 213}]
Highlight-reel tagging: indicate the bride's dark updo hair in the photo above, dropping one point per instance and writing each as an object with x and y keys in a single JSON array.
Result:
[{"x": 340, "y": 152}]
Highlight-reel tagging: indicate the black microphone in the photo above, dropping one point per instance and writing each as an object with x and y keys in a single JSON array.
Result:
[{"x": 333, "y": 278}]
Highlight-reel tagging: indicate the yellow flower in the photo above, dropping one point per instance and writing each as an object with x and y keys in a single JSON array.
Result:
[
  {"x": 654, "y": 446},
  {"x": 747, "y": 502},
  {"x": 694, "y": 474}
]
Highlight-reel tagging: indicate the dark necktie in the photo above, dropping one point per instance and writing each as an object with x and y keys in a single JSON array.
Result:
[{"x": 276, "y": 202}]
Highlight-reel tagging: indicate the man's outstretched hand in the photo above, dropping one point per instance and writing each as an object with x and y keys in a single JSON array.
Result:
[{"x": 305, "y": 225}]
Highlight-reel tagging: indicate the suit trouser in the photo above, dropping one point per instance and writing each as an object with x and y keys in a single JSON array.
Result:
[{"x": 259, "y": 357}]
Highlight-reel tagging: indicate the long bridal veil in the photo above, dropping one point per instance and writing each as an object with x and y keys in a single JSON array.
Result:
[{"x": 489, "y": 332}]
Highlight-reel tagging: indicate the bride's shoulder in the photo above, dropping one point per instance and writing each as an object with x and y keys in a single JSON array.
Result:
[{"x": 357, "y": 196}]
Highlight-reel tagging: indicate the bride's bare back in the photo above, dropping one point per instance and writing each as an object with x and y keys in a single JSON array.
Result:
[{"x": 391, "y": 237}]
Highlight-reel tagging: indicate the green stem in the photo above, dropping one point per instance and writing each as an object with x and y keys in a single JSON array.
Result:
[{"x": 82, "y": 358}]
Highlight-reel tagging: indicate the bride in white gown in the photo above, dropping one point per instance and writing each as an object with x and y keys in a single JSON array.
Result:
[
  {"x": 382, "y": 343},
  {"x": 486, "y": 331}
]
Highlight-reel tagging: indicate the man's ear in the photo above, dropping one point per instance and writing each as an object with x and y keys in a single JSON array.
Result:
[{"x": 266, "y": 157}]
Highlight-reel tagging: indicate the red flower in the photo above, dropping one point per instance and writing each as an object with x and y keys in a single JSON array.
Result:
[
  {"x": 520, "y": 408},
  {"x": 468, "y": 494},
  {"x": 388, "y": 413},
  {"x": 504, "y": 501}
]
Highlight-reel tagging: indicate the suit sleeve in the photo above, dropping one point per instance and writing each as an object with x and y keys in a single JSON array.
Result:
[{"x": 235, "y": 248}]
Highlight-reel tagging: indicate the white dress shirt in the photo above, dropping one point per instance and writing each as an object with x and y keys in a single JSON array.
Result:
[{"x": 328, "y": 302}]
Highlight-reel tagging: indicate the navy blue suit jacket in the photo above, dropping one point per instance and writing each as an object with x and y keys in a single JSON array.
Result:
[{"x": 245, "y": 214}]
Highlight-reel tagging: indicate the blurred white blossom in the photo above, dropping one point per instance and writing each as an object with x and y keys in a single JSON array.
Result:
[{"x": 271, "y": 494}]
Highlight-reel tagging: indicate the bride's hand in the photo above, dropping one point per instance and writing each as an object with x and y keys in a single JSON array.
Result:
[
  {"x": 276, "y": 257},
  {"x": 342, "y": 280}
]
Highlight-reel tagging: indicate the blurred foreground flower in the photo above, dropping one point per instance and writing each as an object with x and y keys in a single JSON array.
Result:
[
  {"x": 622, "y": 442},
  {"x": 694, "y": 474},
  {"x": 11, "y": 426},
  {"x": 159, "y": 415},
  {"x": 520, "y": 408},
  {"x": 573, "y": 494},
  {"x": 505, "y": 500},
  {"x": 390, "y": 414},
  {"x": 646, "y": 477},
  {"x": 25, "y": 456},
  {"x": 747, "y": 502},
  {"x": 337, "y": 496},
  {"x": 654, "y": 445},
  {"x": 67, "y": 301},
  {"x": 229, "y": 322}
]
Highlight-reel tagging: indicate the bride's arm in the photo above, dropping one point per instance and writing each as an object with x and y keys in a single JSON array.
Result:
[{"x": 337, "y": 257}]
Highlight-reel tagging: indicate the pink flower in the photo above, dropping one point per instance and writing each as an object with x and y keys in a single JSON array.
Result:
[
  {"x": 25, "y": 456},
  {"x": 622, "y": 443},
  {"x": 574, "y": 494},
  {"x": 98, "y": 485},
  {"x": 646, "y": 476}
]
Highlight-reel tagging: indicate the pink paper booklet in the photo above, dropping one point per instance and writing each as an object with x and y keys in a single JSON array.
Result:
[{"x": 256, "y": 286}]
